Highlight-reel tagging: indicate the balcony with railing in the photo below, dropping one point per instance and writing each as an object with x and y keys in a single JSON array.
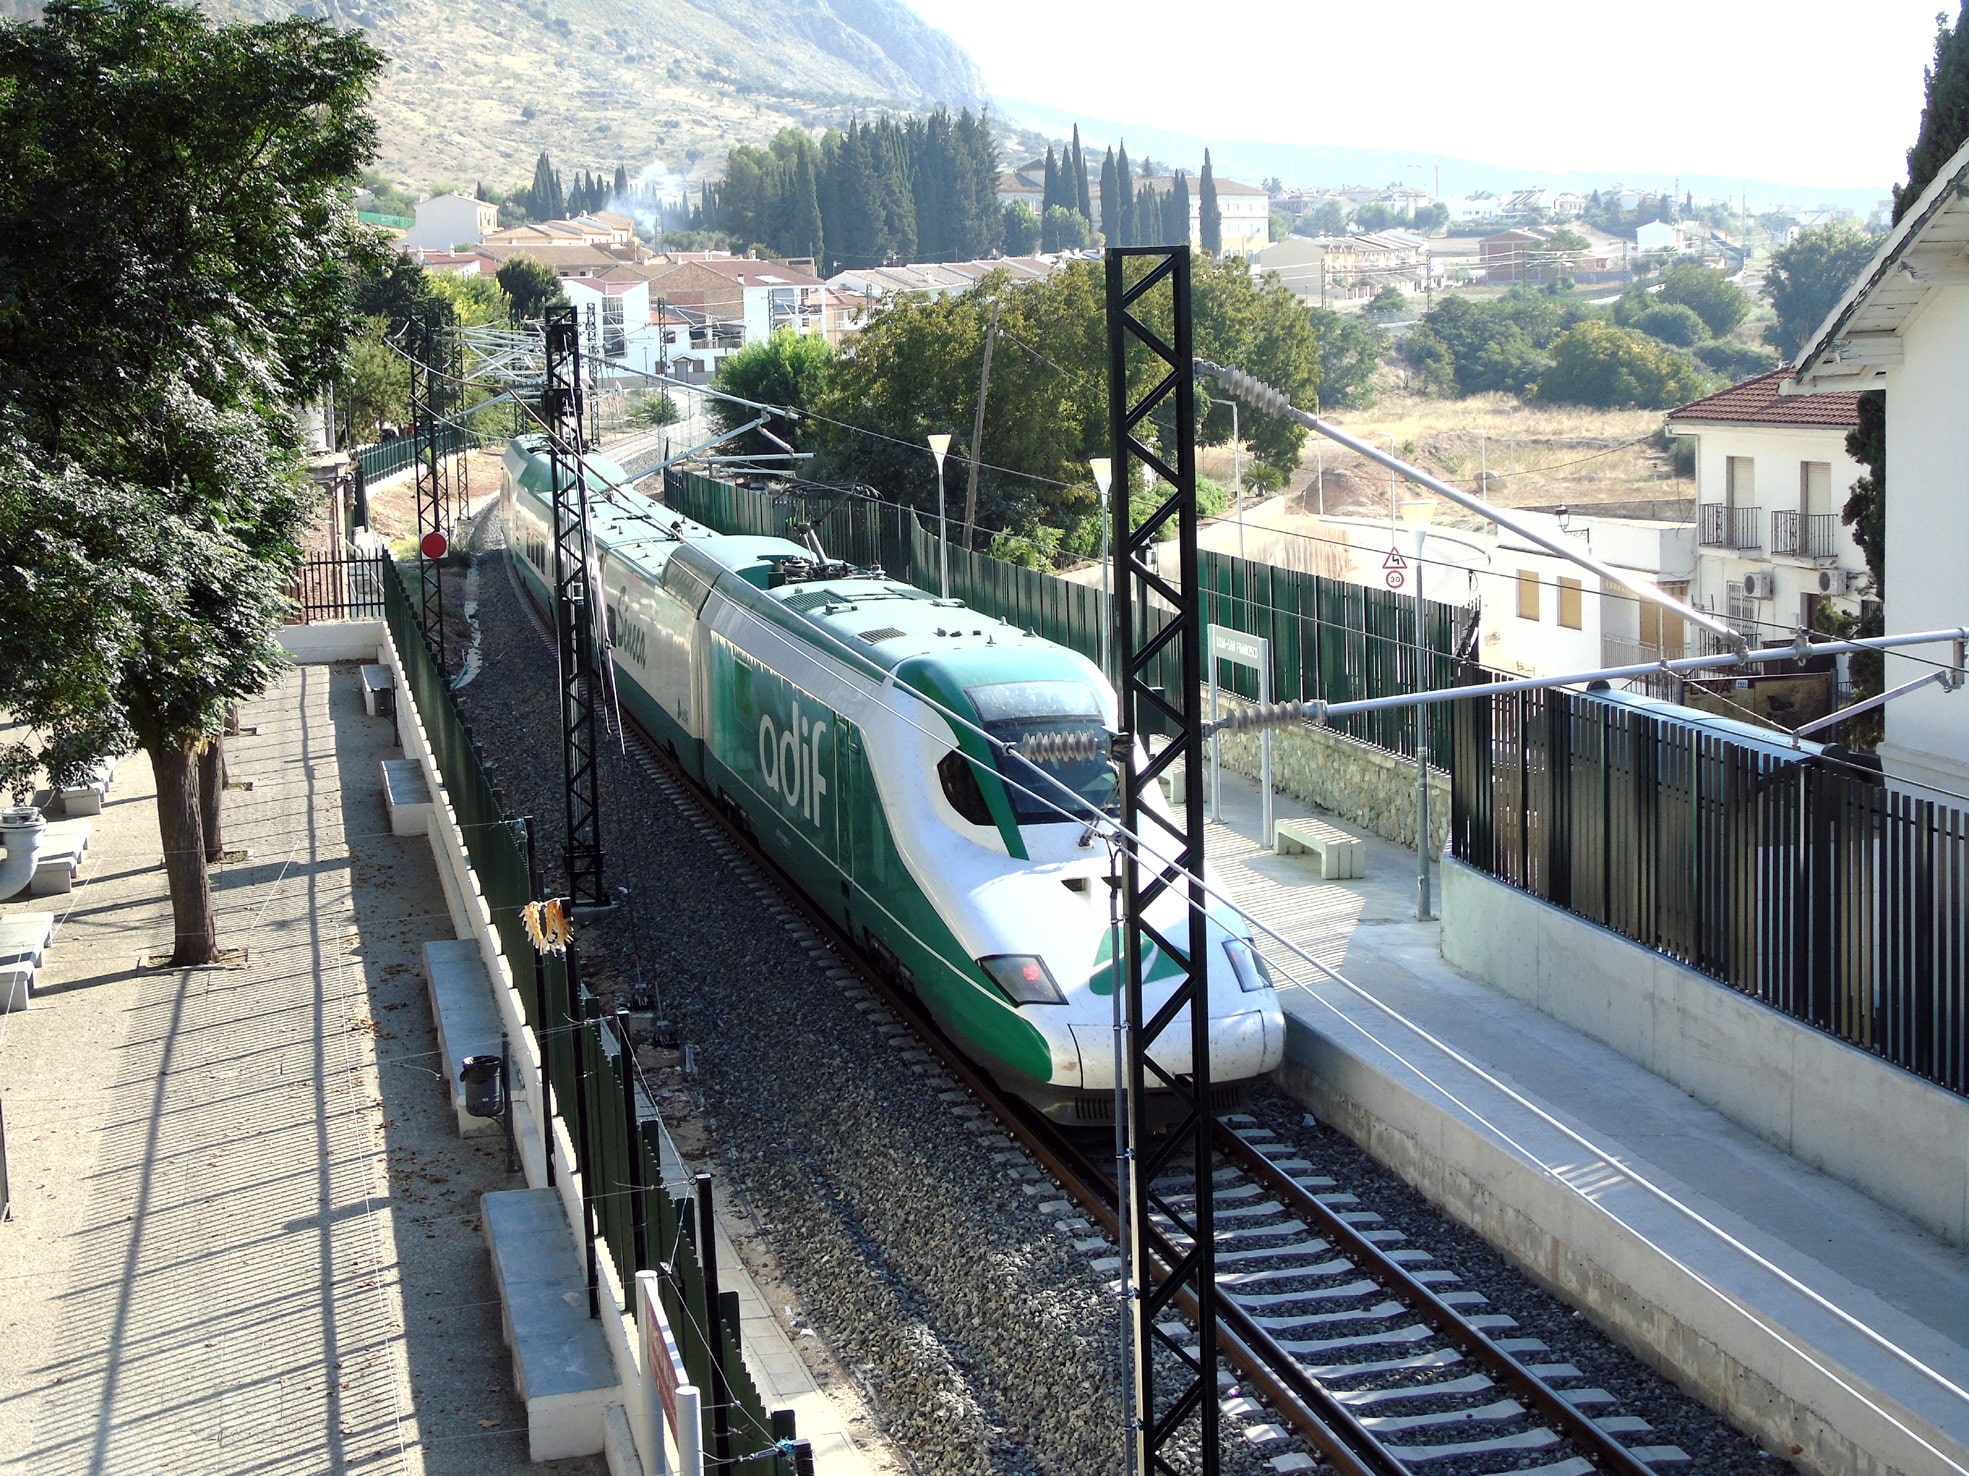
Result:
[
  {"x": 1805, "y": 535},
  {"x": 1724, "y": 526}
]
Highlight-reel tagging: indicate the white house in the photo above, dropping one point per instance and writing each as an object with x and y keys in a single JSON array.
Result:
[
  {"x": 1543, "y": 615},
  {"x": 1903, "y": 326},
  {"x": 447, "y": 221},
  {"x": 1772, "y": 474},
  {"x": 1665, "y": 235},
  {"x": 621, "y": 308}
]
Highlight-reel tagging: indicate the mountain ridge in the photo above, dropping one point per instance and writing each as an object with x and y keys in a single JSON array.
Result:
[{"x": 476, "y": 89}]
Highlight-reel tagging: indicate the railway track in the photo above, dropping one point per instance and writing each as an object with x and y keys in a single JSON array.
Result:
[{"x": 1342, "y": 1337}]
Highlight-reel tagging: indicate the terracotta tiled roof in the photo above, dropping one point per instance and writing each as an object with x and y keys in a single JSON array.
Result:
[{"x": 1758, "y": 402}]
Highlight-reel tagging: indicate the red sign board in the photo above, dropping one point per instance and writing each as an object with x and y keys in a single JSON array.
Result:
[
  {"x": 433, "y": 545},
  {"x": 1394, "y": 578},
  {"x": 661, "y": 1356},
  {"x": 1394, "y": 560}
]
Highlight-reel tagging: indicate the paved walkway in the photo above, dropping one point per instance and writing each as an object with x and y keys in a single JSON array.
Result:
[
  {"x": 245, "y": 1235},
  {"x": 1869, "y": 1260}
]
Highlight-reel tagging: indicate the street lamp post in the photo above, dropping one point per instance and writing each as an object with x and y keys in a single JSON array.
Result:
[
  {"x": 939, "y": 448},
  {"x": 1103, "y": 476},
  {"x": 1417, "y": 514}
]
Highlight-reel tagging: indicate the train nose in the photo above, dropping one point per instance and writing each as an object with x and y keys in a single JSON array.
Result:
[{"x": 1248, "y": 1043}]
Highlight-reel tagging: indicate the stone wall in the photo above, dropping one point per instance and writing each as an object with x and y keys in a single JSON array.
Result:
[{"x": 1356, "y": 781}]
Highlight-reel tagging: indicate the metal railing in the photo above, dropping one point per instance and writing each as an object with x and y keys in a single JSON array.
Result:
[
  {"x": 338, "y": 587},
  {"x": 640, "y": 1221},
  {"x": 1724, "y": 526},
  {"x": 1329, "y": 638},
  {"x": 1805, "y": 535},
  {"x": 1801, "y": 884}
]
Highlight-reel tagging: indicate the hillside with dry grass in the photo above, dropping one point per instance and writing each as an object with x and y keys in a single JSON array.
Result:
[
  {"x": 475, "y": 89},
  {"x": 1521, "y": 455}
]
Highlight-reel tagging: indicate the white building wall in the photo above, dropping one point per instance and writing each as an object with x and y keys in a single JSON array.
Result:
[
  {"x": 1775, "y": 454},
  {"x": 446, "y": 221},
  {"x": 1928, "y": 534}
]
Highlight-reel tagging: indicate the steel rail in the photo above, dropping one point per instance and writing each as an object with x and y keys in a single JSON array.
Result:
[
  {"x": 1595, "y": 1444},
  {"x": 1347, "y": 1446}
]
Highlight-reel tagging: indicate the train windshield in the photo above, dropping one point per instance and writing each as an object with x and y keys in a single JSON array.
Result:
[{"x": 1059, "y": 789}]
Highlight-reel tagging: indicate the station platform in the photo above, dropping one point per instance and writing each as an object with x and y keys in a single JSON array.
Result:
[
  {"x": 245, "y": 1230},
  {"x": 1672, "y": 1227}
]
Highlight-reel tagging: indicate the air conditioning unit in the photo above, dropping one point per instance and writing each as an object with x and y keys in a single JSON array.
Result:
[
  {"x": 1835, "y": 581},
  {"x": 1759, "y": 586}
]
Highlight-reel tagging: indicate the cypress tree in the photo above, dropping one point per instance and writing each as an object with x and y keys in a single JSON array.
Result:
[
  {"x": 1124, "y": 196},
  {"x": 540, "y": 194},
  {"x": 621, "y": 181},
  {"x": 1176, "y": 211},
  {"x": 1110, "y": 222},
  {"x": 1147, "y": 220},
  {"x": 1050, "y": 194},
  {"x": 809, "y": 239},
  {"x": 1081, "y": 201},
  {"x": 1210, "y": 220},
  {"x": 1945, "y": 114}
]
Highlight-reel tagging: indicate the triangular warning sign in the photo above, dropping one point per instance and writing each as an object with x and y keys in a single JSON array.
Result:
[{"x": 1394, "y": 560}]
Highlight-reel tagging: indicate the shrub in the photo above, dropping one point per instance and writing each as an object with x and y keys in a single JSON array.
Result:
[
  {"x": 1672, "y": 323},
  {"x": 1736, "y": 360},
  {"x": 1607, "y": 367}
]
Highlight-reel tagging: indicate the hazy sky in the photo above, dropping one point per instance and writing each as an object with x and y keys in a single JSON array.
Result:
[{"x": 1793, "y": 90}]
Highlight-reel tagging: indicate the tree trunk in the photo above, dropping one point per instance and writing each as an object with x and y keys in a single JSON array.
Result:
[
  {"x": 211, "y": 790},
  {"x": 195, "y": 937}
]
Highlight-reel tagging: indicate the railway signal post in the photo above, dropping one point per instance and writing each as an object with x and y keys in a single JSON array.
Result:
[
  {"x": 1160, "y": 686},
  {"x": 575, "y": 603}
]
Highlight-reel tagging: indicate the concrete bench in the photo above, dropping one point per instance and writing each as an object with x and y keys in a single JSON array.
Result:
[
  {"x": 24, "y": 940},
  {"x": 1338, "y": 855},
  {"x": 407, "y": 797},
  {"x": 562, "y": 1370},
  {"x": 62, "y": 845},
  {"x": 466, "y": 1017},
  {"x": 379, "y": 696},
  {"x": 85, "y": 798}
]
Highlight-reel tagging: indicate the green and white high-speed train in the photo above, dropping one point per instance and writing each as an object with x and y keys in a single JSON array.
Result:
[{"x": 793, "y": 689}]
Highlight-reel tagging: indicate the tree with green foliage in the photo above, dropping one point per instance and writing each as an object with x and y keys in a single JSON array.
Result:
[
  {"x": 1807, "y": 277},
  {"x": 157, "y": 327},
  {"x": 1609, "y": 368},
  {"x": 1709, "y": 293},
  {"x": 1430, "y": 218},
  {"x": 1672, "y": 323},
  {"x": 1944, "y": 111},
  {"x": 1735, "y": 361},
  {"x": 1210, "y": 217},
  {"x": 1020, "y": 233},
  {"x": 1387, "y": 305},
  {"x": 1124, "y": 196},
  {"x": 914, "y": 370},
  {"x": 531, "y": 286},
  {"x": 1063, "y": 230},
  {"x": 653, "y": 412},
  {"x": 1328, "y": 218},
  {"x": 1466, "y": 347},
  {"x": 790, "y": 369},
  {"x": 1375, "y": 215},
  {"x": 1351, "y": 349},
  {"x": 1049, "y": 193}
]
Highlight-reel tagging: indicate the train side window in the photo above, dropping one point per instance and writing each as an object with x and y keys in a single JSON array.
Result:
[{"x": 960, "y": 787}]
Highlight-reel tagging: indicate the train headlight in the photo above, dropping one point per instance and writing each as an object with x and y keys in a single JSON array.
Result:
[
  {"x": 1248, "y": 965},
  {"x": 1024, "y": 978}
]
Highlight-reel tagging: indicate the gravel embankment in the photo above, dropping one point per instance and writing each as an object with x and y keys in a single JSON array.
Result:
[{"x": 912, "y": 1233}]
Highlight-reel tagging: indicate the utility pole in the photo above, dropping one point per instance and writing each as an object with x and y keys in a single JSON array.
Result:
[{"x": 977, "y": 430}]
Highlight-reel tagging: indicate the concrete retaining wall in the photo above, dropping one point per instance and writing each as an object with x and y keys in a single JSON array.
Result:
[
  {"x": 1891, "y": 1135},
  {"x": 1356, "y": 781}
]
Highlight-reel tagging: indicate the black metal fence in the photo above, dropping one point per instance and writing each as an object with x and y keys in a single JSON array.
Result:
[
  {"x": 1821, "y": 894},
  {"x": 338, "y": 587},
  {"x": 1329, "y": 638},
  {"x": 640, "y": 1221}
]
